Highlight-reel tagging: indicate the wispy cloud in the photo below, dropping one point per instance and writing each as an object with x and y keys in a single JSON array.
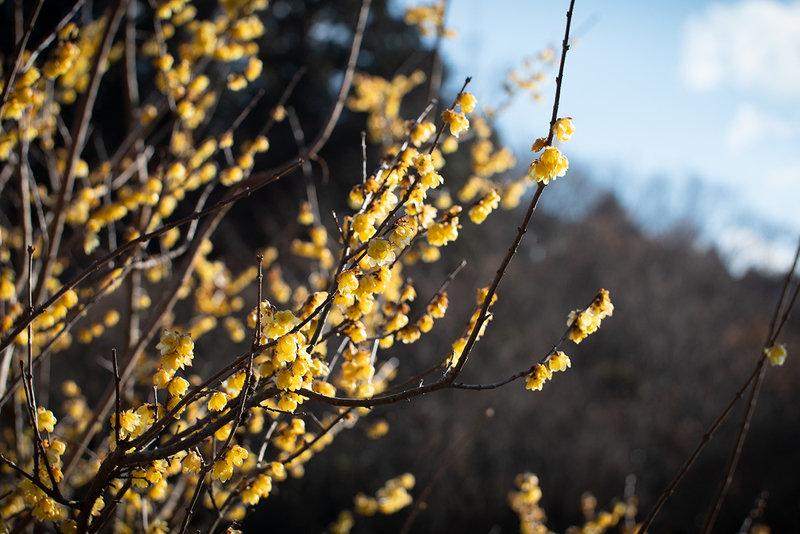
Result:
[
  {"x": 750, "y": 125},
  {"x": 750, "y": 45},
  {"x": 744, "y": 248}
]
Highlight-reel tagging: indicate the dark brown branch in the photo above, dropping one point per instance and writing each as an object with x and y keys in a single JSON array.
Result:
[
  {"x": 744, "y": 425},
  {"x": 326, "y": 132}
]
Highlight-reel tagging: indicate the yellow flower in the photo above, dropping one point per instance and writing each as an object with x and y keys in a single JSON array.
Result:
[
  {"x": 776, "y": 354},
  {"x": 440, "y": 234},
  {"x": 45, "y": 419},
  {"x": 236, "y": 82},
  {"x": 538, "y": 377},
  {"x": 222, "y": 470},
  {"x": 402, "y": 233},
  {"x": 602, "y": 306},
  {"x": 563, "y": 129},
  {"x": 237, "y": 455},
  {"x": 457, "y": 121},
  {"x": 217, "y": 402},
  {"x": 178, "y": 386},
  {"x": 539, "y": 172},
  {"x": 556, "y": 163},
  {"x": 380, "y": 252},
  {"x": 129, "y": 420},
  {"x": 356, "y": 331},
  {"x": 539, "y": 144},
  {"x": 192, "y": 463},
  {"x": 467, "y": 102},
  {"x": 559, "y": 362},
  {"x": 253, "y": 69},
  {"x": 168, "y": 342},
  {"x": 422, "y": 132}
]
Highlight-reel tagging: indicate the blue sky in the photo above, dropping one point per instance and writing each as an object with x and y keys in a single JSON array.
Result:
[{"x": 680, "y": 92}]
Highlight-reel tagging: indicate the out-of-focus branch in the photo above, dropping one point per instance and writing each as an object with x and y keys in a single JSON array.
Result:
[{"x": 78, "y": 134}]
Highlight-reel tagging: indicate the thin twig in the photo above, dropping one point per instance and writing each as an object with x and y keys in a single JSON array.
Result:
[
  {"x": 117, "y": 399},
  {"x": 670, "y": 489},
  {"x": 326, "y": 132},
  {"x": 51, "y": 37},
  {"x": 19, "y": 53},
  {"x": 419, "y": 502},
  {"x": 744, "y": 425}
]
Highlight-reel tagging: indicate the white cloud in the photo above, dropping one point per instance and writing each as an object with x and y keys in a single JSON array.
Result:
[
  {"x": 751, "y": 45},
  {"x": 750, "y": 125},
  {"x": 744, "y": 248}
]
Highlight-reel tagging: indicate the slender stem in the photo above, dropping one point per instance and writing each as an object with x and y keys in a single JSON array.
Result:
[
  {"x": 326, "y": 132},
  {"x": 20, "y": 53},
  {"x": 670, "y": 489},
  {"x": 116, "y": 386},
  {"x": 744, "y": 425}
]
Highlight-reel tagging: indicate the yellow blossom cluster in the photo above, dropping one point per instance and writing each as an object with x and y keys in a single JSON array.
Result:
[
  {"x": 381, "y": 99},
  {"x": 223, "y": 468},
  {"x": 486, "y": 160},
  {"x": 390, "y": 499},
  {"x": 445, "y": 231},
  {"x": 429, "y": 19},
  {"x": 525, "y": 502},
  {"x": 343, "y": 524},
  {"x": 317, "y": 248},
  {"x": 43, "y": 507},
  {"x": 357, "y": 373},
  {"x": 551, "y": 164},
  {"x": 557, "y": 361},
  {"x": 585, "y": 322},
  {"x": 530, "y": 76},
  {"x": 216, "y": 291},
  {"x": 484, "y": 207},
  {"x": 177, "y": 352},
  {"x": 49, "y": 327},
  {"x": 378, "y": 429},
  {"x": 289, "y": 360}
]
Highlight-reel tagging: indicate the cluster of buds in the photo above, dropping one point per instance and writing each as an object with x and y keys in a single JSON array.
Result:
[
  {"x": 177, "y": 352},
  {"x": 543, "y": 372},
  {"x": 457, "y": 121},
  {"x": 234, "y": 457},
  {"x": 484, "y": 207},
  {"x": 525, "y": 502},
  {"x": 588, "y": 321},
  {"x": 391, "y": 498},
  {"x": 552, "y": 163}
]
